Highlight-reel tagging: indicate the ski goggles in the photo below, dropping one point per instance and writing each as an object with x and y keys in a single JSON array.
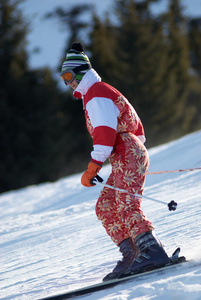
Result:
[{"x": 69, "y": 75}]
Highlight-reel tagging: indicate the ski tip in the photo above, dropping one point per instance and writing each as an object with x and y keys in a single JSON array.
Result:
[{"x": 176, "y": 252}]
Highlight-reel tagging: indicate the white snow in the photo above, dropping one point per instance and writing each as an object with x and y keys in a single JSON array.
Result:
[{"x": 51, "y": 241}]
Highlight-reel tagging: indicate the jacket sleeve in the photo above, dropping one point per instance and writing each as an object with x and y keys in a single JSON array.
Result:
[{"x": 103, "y": 115}]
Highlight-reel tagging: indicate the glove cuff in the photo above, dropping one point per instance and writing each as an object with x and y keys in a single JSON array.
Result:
[{"x": 99, "y": 163}]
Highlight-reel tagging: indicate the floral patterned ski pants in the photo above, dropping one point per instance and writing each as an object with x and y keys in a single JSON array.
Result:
[{"x": 120, "y": 213}]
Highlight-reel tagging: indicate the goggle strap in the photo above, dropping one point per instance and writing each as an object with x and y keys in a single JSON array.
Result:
[{"x": 81, "y": 68}]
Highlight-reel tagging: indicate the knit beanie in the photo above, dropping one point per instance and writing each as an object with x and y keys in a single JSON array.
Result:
[{"x": 75, "y": 58}]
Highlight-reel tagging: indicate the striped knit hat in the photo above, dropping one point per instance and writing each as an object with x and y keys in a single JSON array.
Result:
[{"x": 76, "y": 58}]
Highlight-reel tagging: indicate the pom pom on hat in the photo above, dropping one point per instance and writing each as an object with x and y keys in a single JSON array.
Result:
[
  {"x": 78, "y": 46},
  {"x": 75, "y": 58}
]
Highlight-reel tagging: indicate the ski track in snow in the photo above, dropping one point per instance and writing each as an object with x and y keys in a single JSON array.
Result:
[{"x": 51, "y": 241}]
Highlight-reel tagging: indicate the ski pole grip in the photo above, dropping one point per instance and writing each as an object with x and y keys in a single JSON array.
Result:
[
  {"x": 95, "y": 179},
  {"x": 100, "y": 179}
]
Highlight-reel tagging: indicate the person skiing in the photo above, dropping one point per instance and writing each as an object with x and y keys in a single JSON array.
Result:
[{"x": 118, "y": 135}]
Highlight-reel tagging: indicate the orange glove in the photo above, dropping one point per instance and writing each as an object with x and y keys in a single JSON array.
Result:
[{"x": 90, "y": 173}]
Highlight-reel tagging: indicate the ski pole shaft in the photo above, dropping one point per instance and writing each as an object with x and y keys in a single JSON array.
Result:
[
  {"x": 98, "y": 180},
  {"x": 173, "y": 171},
  {"x": 127, "y": 192}
]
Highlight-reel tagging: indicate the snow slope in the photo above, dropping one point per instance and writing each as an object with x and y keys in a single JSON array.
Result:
[{"x": 51, "y": 241}]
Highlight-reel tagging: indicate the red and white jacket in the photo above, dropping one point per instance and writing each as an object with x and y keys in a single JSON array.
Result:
[{"x": 108, "y": 113}]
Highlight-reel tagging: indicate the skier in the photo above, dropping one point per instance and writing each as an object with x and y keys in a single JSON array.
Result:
[{"x": 118, "y": 135}]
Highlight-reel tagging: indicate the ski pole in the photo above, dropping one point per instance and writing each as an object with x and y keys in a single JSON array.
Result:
[
  {"x": 172, "y": 205},
  {"x": 173, "y": 171}
]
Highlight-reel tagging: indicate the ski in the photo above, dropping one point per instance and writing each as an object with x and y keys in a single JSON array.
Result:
[{"x": 175, "y": 260}]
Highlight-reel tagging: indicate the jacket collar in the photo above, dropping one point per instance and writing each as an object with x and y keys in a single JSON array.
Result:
[{"x": 87, "y": 81}]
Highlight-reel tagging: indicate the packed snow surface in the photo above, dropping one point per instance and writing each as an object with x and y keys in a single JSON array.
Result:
[{"x": 51, "y": 241}]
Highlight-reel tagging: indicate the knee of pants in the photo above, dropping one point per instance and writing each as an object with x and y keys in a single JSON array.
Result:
[{"x": 104, "y": 205}]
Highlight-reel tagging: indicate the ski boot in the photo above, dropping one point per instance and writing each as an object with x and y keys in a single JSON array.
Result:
[
  {"x": 152, "y": 254},
  {"x": 129, "y": 252}
]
